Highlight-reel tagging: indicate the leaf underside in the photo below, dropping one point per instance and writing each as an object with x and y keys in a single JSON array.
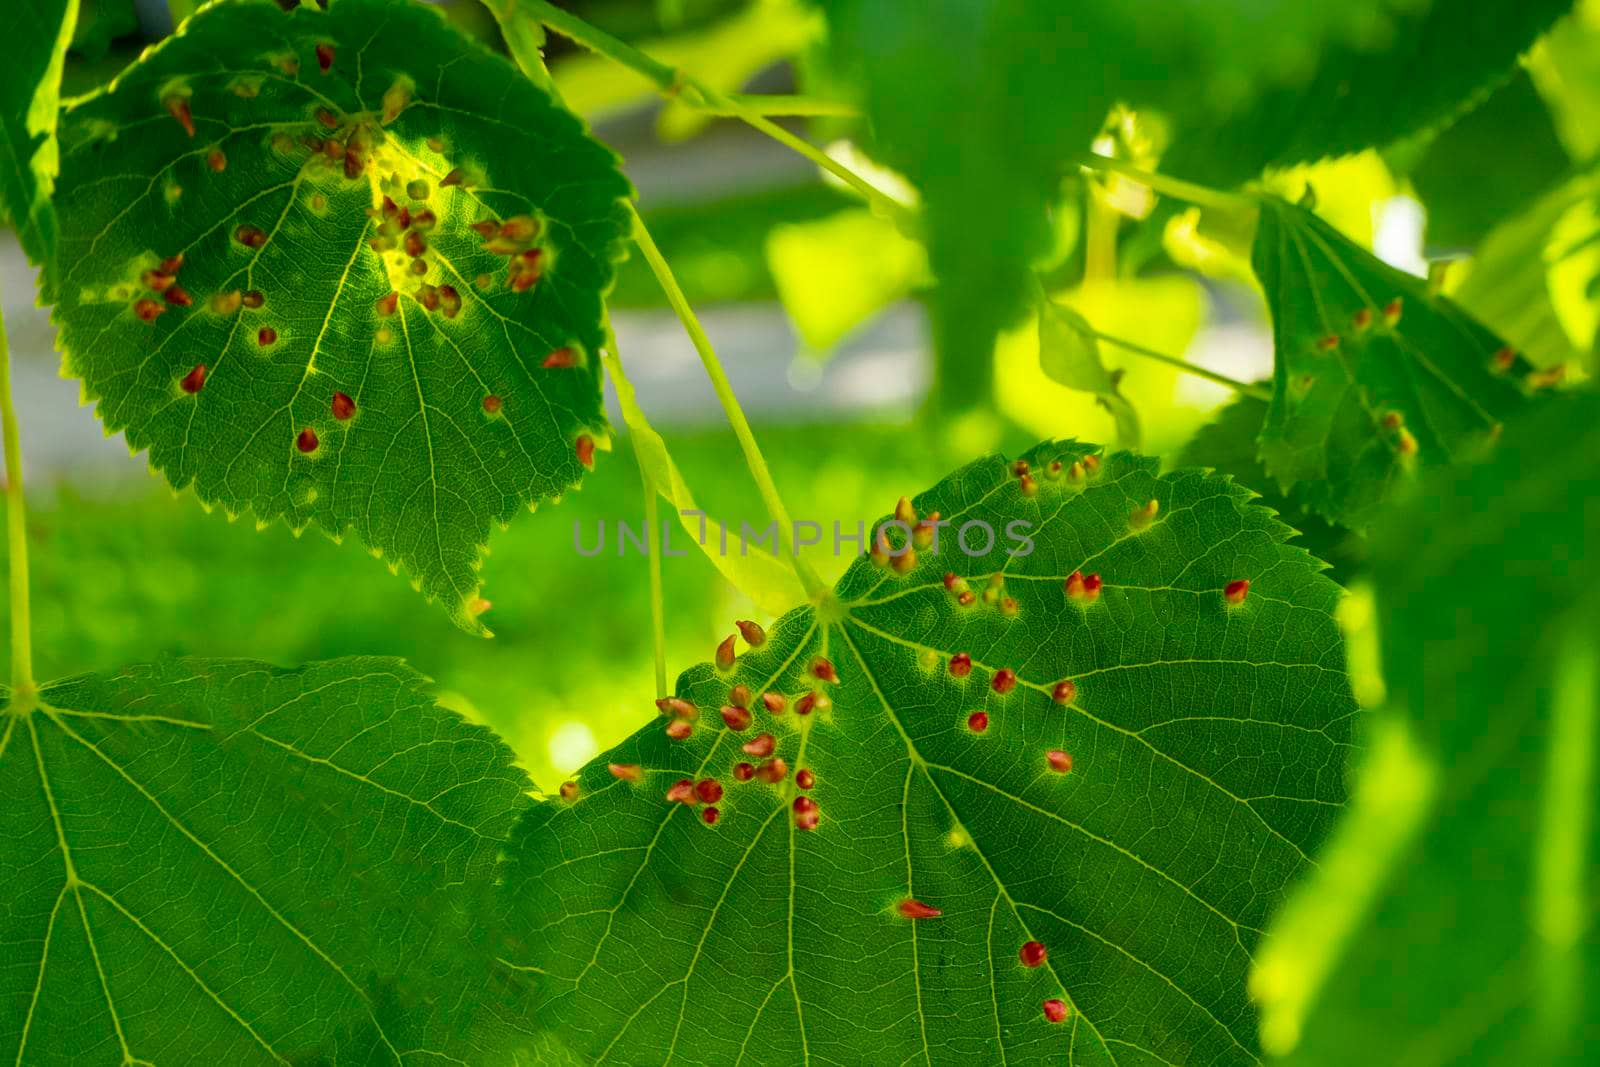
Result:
[
  {"x": 1206, "y": 739},
  {"x": 219, "y": 861},
  {"x": 1374, "y": 377},
  {"x": 1481, "y": 939},
  {"x": 451, "y": 420}
]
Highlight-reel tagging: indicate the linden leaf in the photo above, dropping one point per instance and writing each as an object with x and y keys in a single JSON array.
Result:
[
  {"x": 220, "y": 861},
  {"x": 1129, "y": 769},
  {"x": 1069, "y": 353},
  {"x": 37, "y": 42},
  {"x": 1454, "y": 917},
  {"x": 1227, "y": 445},
  {"x": 342, "y": 267},
  {"x": 1374, "y": 376}
]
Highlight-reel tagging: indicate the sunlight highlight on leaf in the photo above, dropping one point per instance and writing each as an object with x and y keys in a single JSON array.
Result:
[{"x": 342, "y": 268}]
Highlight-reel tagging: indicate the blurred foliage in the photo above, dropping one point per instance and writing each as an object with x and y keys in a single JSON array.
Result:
[
  {"x": 833, "y": 274},
  {"x": 1163, "y": 313},
  {"x": 1536, "y": 277},
  {"x": 723, "y": 54},
  {"x": 1452, "y": 919},
  {"x": 718, "y": 248},
  {"x": 1463, "y": 174}
]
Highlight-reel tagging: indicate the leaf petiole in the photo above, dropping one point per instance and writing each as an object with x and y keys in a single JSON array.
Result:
[
  {"x": 678, "y": 84},
  {"x": 1168, "y": 185},
  {"x": 16, "y": 538},
  {"x": 815, "y": 588}
]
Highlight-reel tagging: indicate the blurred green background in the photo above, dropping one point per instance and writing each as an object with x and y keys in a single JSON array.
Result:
[{"x": 813, "y": 303}]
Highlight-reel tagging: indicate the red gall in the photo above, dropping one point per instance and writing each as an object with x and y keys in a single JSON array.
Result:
[{"x": 916, "y": 909}]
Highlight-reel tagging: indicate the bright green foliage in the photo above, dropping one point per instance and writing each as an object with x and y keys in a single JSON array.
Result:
[
  {"x": 1536, "y": 278},
  {"x": 219, "y": 861},
  {"x": 1228, "y": 446},
  {"x": 38, "y": 32},
  {"x": 1069, "y": 353},
  {"x": 1374, "y": 376},
  {"x": 1411, "y": 65},
  {"x": 1206, "y": 744},
  {"x": 284, "y": 202},
  {"x": 1475, "y": 939}
]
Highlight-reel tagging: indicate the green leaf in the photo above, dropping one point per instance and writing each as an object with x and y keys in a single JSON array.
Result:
[
  {"x": 1205, "y": 742},
  {"x": 1454, "y": 917},
  {"x": 1512, "y": 125},
  {"x": 1407, "y": 67},
  {"x": 1228, "y": 446},
  {"x": 29, "y": 93},
  {"x": 423, "y": 468},
  {"x": 220, "y": 861},
  {"x": 836, "y": 273},
  {"x": 1374, "y": 376},
  {"x": 1536, "y": 277},
  {"x": 1069, "y": 353}
]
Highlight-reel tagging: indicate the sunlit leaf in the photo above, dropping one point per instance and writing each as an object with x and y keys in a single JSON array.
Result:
[
  {"x": 1204, "y": 740},
  {"x": 336, "y": 345},
  {"x": 1069, "y": 353},
  {"x": 220, "y": 861},
  {"x": 30, "y": 90},
  {"x": 834, "y": 274},
  {"x": 1374, "y": 376},
  {"x": 1162, "y": 313},
  {"x": 1453, "y": 919},
  {"x": 1536, "y": 277}
]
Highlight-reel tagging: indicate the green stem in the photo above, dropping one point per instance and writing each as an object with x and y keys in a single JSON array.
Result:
[
  {"x": 814, "y": 586},
  {"x": 681, "y": 85},
  {"x": 658, "y": 601},
  {"x": 1165, "y": 184},
  {"x": 17, "y": 538},
  {"x": 1188, "y": 368}
]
